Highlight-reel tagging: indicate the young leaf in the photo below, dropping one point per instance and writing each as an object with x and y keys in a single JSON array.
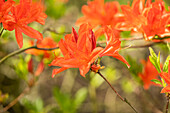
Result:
[
  {"x": 165, "y": 67},
  {"x": 156, "y": 81},
  {"x": 80, "y": 97},
  {"x": 154, "y": 59}
]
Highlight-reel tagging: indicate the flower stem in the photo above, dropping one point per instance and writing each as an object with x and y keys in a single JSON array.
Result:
[
  {"x": 121, "y": 98},
  {"x": 22, "y": 50},
  {"x": 15, "y": 100},
  {"x": 167, "y": 103}
]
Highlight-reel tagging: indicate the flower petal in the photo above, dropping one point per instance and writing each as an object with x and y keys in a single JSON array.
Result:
[
  {"x": 31, "y": 32},
  {"x": 19, "y": 37},
  {"x": 56, "y": 71}
]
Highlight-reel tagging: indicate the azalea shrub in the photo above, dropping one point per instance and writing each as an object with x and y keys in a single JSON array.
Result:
[{"x": 60, "y": 56}]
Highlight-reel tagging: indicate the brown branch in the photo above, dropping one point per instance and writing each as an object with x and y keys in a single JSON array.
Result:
[
  {"x": 15, "y": 100},
  {"x": 131, "y": 39},
  {"x": 54, "y": 31},
  {"x": 121, "y": 98},
  {"x": 140, "y": 46},
  {"x": 167, "y": 103},
  {"x": 22, "y": 50},
  {"x": 123, "y": 39}
]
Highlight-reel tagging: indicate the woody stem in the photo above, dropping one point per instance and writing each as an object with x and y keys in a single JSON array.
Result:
[
  {"x": 121, "y": 98},
  {"x": 22, "y": 50},
  {"x": 15, "y": 100},
  {"x": 167, "y": 104}
]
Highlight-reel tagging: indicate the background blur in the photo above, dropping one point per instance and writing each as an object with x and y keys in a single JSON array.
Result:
[{"x": 69, "y": 92}]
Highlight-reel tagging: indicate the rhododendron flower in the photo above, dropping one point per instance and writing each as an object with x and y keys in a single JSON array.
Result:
[
  {"x": 112, "y": 45},
  {"x": 21, "y": 15},
  {"x": 166, "y": 77},
  {"x": 99, "y": 13},
  {"x": 79, "y": 51},
  {"x": 45, "y": 43},
  {"x": 151, "y": 18},
  {"x": 149, "y": 73},
  {"x": 5, "y": 8}
]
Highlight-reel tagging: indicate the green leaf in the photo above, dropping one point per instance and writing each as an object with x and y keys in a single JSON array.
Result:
[
  {"x": 165, "y": 67},
  {"x": 80, "y": 96},
  {"x": 168, "y": 46},
  {"x": 39, "y": 105},
  {"x": 156, "y": 81},
  {"x": 125, "y": 34},
  {"x": 64, "y": 101},
  {"x": 154, "y": 59}
]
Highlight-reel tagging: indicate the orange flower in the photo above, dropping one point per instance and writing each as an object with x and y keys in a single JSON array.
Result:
[
  {"x": 39, "y": 69},
  {"x": 133, "y": 16},
  {"x": 151, "y": 18},
  {"x": 45, "y": 43},
  {"x": 166, "y": 77},
  {"x": 79, "y": 51},
  {"x": 157, "y": 21},
  {"x": 112, "y": 45},
  {"x": 99, "y": 13},
  {"x": 5, "y": 8},
  {"x": 22, "y": 14},
  {"x": 149, "y": 73}
]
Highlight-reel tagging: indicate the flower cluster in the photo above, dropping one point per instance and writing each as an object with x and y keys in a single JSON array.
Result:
[
  {"x": 166, "y": 77},
  {"x": 150, "y": 18},
  {"x": 149, "y": 73},
  {"x": 47, "y": 43},
  {"x": 17, "y": 17},
  {"x": 80, "y": 51}
]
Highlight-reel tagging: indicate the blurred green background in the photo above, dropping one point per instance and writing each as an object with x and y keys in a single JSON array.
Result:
[{"x": 69, "y": 92}]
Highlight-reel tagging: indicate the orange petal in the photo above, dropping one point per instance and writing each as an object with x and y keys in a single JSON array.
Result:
[
  {"x": 19, "y": 37},
  {"x": 84, "y": 69},
  {"x": 165, "y": 76},
  {"x": 166, "y": 89},
  {"x": 56, "y": 71},
  {"x": 40, "y": 68},
  {"x": 29, "y": 31}
]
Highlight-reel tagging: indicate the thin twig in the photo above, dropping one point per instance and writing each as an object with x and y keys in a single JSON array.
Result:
[
  {"x": 140, "y": 46},
  {"x": 131, "y": 39},
  {"x": 15, "y": 100},
  {"x": 22, "y": 50},
  {"x": 123, "y": 39},
  {"x": 54, "y": 31},
  {"x": 123, "y": 99},
  {"x": 167, "y": 103}
]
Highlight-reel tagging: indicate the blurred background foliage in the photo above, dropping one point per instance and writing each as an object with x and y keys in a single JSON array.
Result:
[{"x": 69, "y": 92}]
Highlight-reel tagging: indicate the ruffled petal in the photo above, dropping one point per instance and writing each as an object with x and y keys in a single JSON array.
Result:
[
  {"x": 56, "y": 71},
  {"x": 19, "y": 37},
  {"x": 31, "y": 32}
]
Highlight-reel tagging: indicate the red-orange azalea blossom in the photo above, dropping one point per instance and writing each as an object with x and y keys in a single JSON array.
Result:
[
  {"x": 45, "y": 43},
  {"x": 166, "y": 77},
  {"x": 99, "y": 13},
  {"x": 112, "y": 44},
  {"x": 149, "y": 73},
  {"x": 48, "y": 43},
  {"x": 79, "y": 51},
  {"x": 5, "y": 8},
  {"x": 151, "y": 18},
  {"x": 21, "y": 15}
]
